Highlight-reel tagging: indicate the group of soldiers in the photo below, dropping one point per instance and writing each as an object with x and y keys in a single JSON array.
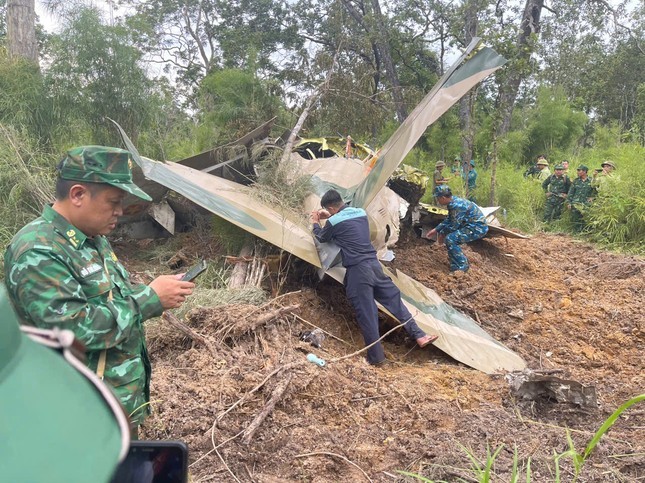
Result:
[{"x": 561, "y": 192}]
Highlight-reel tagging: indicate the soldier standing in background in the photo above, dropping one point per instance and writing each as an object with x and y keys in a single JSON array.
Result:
[
  {"x": 471, "y": 181},
  {"x": 544, "y": 171},
  {"x": 438, "y": 178},
  {"x": 580, "y": 196},
  {"x": 61, "y": 271},
  {"x": 456, "y": 169},
  {"x": 556, "y": 186},
  {"x": 534, "y": 170}
]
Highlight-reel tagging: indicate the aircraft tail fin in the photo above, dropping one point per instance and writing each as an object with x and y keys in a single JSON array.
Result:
[{"x": 471, "y": 68}]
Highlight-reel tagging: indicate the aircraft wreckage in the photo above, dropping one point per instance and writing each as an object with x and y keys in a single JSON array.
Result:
[{"x": 361, "y": 176}]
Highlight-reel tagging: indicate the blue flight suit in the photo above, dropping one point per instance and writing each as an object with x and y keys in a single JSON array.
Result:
[
  {"x": 465, "y": 223},
  {"x": 365, "y": 281}
]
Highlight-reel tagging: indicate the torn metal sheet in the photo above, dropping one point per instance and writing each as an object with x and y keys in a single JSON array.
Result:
[
  {"x": 231, "y": 161},
  {"x": 362, "y": 183},
  {"x": 540, "y": 385},
  {"x": 470, "y": 69}
]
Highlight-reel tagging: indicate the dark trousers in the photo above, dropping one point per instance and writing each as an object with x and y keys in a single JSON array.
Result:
[
  {"x": 553, "y": 208},
  {"x": 365, "y": 283}
]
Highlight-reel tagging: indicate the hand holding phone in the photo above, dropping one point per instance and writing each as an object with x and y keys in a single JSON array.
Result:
[{"x": 195, "y": 271}]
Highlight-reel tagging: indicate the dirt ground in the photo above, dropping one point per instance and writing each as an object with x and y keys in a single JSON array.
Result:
[{"x": 252, "y": 408}]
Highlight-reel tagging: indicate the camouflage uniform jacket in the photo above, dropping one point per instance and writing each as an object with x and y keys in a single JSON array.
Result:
[
  {"x": 557, "y": 185},
  {"x": 56, "y": 276},
  {"x": 472, "y": 179},
  {"x": 438, "y": 179},
  {"x": 543, "y": 174},
  {"x": 580, "y": 191},
  {"x": 462, "y": 214}
]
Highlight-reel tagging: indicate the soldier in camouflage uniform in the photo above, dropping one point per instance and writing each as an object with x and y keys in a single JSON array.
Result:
[
  {"x": 556, "y": 187},
  {"x": 465, "y": 223},
  {"x": 61, "y": 271},
  {"x": 471, "y": 181},
  {"x": 580, "y": 196}
]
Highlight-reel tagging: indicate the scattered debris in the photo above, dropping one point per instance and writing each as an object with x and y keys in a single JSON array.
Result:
[
  {"x": 539, "y": 385},
  {"x": 314, "y": 337},
  {"x": 516, "y": 314}
]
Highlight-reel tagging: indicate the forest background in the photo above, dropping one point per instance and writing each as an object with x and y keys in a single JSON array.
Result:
[{"x": 184, "y": 76}]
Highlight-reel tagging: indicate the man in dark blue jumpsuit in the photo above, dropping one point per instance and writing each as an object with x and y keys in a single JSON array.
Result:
[{"x": 365, "y": 281}]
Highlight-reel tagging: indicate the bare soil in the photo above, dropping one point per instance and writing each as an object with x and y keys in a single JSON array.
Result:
[{"x": 574, "y": 309}]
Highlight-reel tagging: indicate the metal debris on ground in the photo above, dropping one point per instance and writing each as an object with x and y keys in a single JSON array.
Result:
[{"x": 533, "y": 385}]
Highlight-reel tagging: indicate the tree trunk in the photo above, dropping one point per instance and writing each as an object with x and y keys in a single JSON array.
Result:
[
  {"x": 21, "y": 29},
  {"x": 238, "y": 276},
  {"x": 526, "y": 40},
  {"x": 376, "y": 29},
  {"x": 468, "y": 101},
  {"x": 493, "y": 172},
  {"x": 383, "y": 46}
]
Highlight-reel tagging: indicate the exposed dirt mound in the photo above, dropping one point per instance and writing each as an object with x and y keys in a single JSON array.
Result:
[{"x": 252, "y": 408}]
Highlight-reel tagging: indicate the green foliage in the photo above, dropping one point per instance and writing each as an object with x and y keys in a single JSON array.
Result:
[
  {"x": 23, "y": 101},
  {"x": 229, "y": 236},
  {"x": 482, "y": 470},
  {"x": 26, "y": 182},
  {"x": 523, "y": 199},
  {"x": 513, "y": 145},
  {"x": 616, "y": 219},
  {"x": 579, "y": 459},
  {"x": 443, "y": 139},
  {"x": 553, "y": 126},
  {"x": 95, "y": 73},
  {"x": 233, "y": 102}
]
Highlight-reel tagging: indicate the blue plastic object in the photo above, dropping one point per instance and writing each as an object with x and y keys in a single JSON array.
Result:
[{"x": 316, "y": 360}]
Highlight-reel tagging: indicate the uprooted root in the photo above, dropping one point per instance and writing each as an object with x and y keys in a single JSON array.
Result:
[{"x": 233, "y": 322}]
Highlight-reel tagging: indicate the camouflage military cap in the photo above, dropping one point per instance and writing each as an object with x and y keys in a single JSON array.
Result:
[
  {"x": 542, "y": 162},
  {"x": 608, "y": 163},
  {"x": 440, "y": 164},
  {"x": 472, "y": 162},
  {"x": 558, "y": 166},
  {"x": 582, "y": 167},
  {"x": 442, "y": 190},
  {"x": 100, "y": 164}
]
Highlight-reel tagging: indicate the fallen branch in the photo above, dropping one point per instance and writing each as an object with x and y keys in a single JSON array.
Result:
[
  {"x": 272, "y": 302},
  {"x": 238, "y": 327},
  {"x": 317, "y": 453},
  {"x": 245, "y": 396},
  {"x": 276, "y": 395},
  {"x": 190, "y": 333},
  {"x": 274, "y": 314}
]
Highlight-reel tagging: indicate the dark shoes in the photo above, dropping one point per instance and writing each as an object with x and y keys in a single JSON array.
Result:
[{"x": 426, "y": 340}]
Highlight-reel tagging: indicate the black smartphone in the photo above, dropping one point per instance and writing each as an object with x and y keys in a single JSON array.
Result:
[
  {"x": 154, "y": 462},
  {"x": 194, "y": 271}
]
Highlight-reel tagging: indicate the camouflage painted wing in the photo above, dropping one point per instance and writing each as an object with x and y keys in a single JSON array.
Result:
[
  {"x": 455, "y": 83},
  {"x": 233, "y": 202},
  {"x": 459, "y": 336}
]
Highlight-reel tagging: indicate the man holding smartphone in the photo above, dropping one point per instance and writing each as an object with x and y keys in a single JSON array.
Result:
[{"x": 61, "y": 271}]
